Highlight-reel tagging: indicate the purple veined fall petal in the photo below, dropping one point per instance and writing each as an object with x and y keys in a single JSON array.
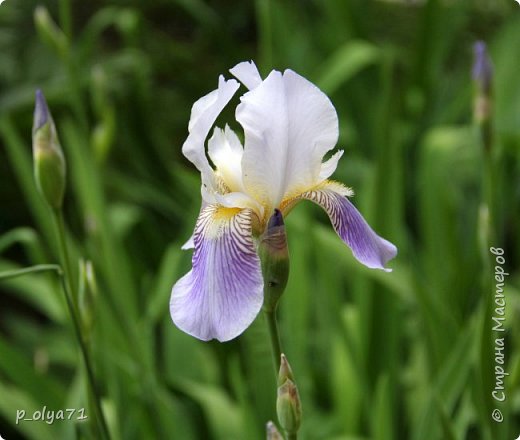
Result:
[
  {"x": 368, "y": 247},
  {"x": 223, "y": 292}
]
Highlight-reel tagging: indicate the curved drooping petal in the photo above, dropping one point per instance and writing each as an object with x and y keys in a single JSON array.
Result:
[
  {"x": 247, "y": 73},
  {"x": 203, "y": 115},
  {"x": 190, "y": 244},
  {"x": 368, "y": 247},
  {"x": 289, "y": 125},
  {"x": 223, "y": 292},
  {"x": 328, "y": 167}
]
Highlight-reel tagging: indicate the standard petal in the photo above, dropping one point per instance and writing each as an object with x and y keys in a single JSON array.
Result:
[
  {"x": 222, "y": 294},
  {"x": 203, "y": 115},
  {"x": 370, "y": 249},
  {"x": 289, "y": 125},
  {"x": 225, "y": 151},
  {"x": 247, "y": 73}
]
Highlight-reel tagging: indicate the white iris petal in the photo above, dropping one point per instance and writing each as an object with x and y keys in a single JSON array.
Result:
[{"x": 226, "y": 151}]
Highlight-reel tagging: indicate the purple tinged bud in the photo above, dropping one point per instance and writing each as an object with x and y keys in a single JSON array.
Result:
[
  {"x": 41, "y": 111},
  {"x": 482, "y": 71},
  {"x": 276, "y": 220},
  {"x": 49, "y": 162},
  {"x": 482, "y": 74}
]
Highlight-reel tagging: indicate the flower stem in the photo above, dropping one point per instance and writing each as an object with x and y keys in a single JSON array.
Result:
[
  {"x": 292, "y": 436},
  {"x": 64, "y": 257},
  {"x": 71, "y": 299},
  {"x": 274, "y": 335}
]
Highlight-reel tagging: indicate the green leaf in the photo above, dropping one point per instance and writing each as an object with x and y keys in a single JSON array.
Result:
[{"x": 346, "y": 62}]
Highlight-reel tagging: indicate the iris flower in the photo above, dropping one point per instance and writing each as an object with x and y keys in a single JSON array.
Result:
[{"x": 289, "y": 125}]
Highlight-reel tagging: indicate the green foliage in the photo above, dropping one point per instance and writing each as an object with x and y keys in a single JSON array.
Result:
[{"x": 376, "y": 356}]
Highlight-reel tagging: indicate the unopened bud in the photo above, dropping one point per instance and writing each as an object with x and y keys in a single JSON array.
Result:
[
  {"x": 482, "y": 74},
  {"x": 482, "y": 68},
  {"x": 288, "y": 407},
  {"x": 49, "y": 162},
  {"x": 272, "y": 432},
  {"x": 274, "y": 254},
  {"x": 285, "y": 372}
]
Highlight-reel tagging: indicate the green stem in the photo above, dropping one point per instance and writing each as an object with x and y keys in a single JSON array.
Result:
[
  {"x": 33, "y": 269},
  {"x": 274, "y": 336},
  {"x": 71, "y": 299},
  {"x": 292, "y": 436},
  {"x": 64, "y": 257}
]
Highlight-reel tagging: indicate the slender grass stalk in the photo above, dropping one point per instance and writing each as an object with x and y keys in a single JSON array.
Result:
[
  {"x": 33, "y": 269},
  {"x": 274, "y": 336},
  {"x": 71, "y": 299},
  {"x": 66, "y": 17},
  {"x": 64, "y": 256}
]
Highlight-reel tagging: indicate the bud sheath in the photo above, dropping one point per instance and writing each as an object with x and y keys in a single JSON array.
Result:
[
  {"x": 274, "y": 255},
  {"x": 288, "y": 405},
  {"x": 49, "y": 162}
]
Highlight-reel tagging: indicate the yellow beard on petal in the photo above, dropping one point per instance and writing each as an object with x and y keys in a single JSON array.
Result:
[
  {"x": 290, "y": 200},
  {"x": 225, "y": 214},
  {"x": 220, "y": 216}
]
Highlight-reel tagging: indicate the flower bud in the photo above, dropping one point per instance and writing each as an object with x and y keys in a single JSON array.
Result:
[
  {"x": 288, "y": 405},
  {"x": 274, "y": 255},
  {"x": 482, "y": 74},
  {"x": 272, "y": 432},
  {"x": 49, "y": 162},
  {"x": 285, "y": 372}
]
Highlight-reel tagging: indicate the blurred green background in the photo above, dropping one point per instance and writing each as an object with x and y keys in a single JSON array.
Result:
[{"x": 405, "y": 355}]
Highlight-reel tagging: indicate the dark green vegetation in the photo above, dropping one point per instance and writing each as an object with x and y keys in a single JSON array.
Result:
[{"x": 406, "y": 355}]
